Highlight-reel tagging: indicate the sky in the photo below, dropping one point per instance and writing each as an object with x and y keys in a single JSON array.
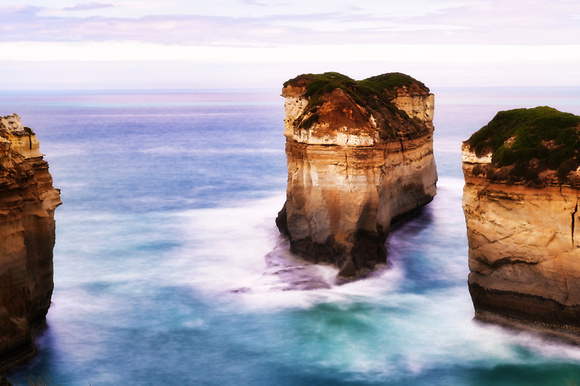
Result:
[{"x": 191, "y": 44}]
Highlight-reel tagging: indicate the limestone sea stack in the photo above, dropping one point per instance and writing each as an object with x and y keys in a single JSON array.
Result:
[
  {"x": 359, "y": 153},
  {"x": 27, "y": 237},
  {"x": 521, "y": 207}
]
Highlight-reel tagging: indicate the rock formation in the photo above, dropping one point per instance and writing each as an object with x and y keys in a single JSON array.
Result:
[
  {"x": 27, "y": 236},
  {"x": 521, "y": 208},
  {"x": 359, "y": 153}
]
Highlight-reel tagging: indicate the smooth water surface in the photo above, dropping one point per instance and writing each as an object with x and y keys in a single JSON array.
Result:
[{"x": 169, "y": 268}]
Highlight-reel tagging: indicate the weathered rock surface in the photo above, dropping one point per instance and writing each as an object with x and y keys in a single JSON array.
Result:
[
  {"x": 359, "y": 154},
  {"x": 27, "y": 237},
  {"x": 523, "y": 223}
]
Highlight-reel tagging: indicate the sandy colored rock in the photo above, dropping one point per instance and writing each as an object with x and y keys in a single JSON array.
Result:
[
  {"x": 524, "y": 239},
  {"x": 27, "y": 237},
  {"x": 357, "y": 158}
]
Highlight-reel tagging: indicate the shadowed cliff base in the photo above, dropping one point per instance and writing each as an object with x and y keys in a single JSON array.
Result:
[
  {"x": 27, "y": 237},
  {"x": 359, "y": 153},
  {"x": 520, "y": 202},
  {"x": 528, "y": 313}
]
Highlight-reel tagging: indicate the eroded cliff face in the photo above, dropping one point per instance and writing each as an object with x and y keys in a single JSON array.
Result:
[
  {"x": 524, "y": 236},
  {"x": 27, "y": 237},
  {"x": 354, "y": 166}
]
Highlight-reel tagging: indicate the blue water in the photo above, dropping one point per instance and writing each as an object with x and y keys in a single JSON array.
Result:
[{"x": 169, "y": 268}]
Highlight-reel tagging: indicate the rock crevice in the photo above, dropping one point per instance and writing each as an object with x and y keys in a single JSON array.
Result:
[{"x": 573, "y": 224}]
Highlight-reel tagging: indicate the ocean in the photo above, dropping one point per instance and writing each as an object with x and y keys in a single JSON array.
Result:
[{"x": 169, "y": 269}]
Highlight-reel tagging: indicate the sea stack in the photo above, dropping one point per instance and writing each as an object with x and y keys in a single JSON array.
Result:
[
  {"x": 359, "y": 153},
  {"x": 27, "y": 236},
  {"x": 520, "y": 202}
]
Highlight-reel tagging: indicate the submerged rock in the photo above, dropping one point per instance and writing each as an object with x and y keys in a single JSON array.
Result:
[
  {"x": 521, "y": 208},
  {"x": 27, "y": 236},
  {"x": 360, "y": 153}
]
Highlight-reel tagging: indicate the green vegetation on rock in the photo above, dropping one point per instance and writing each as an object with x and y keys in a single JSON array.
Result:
[
  {"x": 374, "y": 93},
  {"x": 381, "y": 87},
  {"x": 390, "y": 81},
  {"x": 322, "y": 84},
  {"x": 530, "y": 141}
]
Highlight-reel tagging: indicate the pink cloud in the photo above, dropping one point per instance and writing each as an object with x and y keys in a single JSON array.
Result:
[
  {"x": 88, "y": 6},
  {"x": 537, "y": 22}
]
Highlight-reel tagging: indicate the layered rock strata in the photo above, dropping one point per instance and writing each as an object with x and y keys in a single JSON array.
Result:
[
  {"x": 27, "y": 237},
  {"x": 523, "y": 225},
  {"x": 359, "y": 154}
]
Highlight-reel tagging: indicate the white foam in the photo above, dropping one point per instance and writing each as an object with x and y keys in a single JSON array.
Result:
[
  {"x": 372, "y": 329},
  {"x": 235, "y": 256},
  {"x": 236, "y": 253},
  {"x": 453, "y": 185}
]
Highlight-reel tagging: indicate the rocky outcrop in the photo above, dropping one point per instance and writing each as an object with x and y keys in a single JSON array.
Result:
[
  {"x": 359, "y": 154},
  {"x": 520, "y": 202},
  {"x": 27, "y": 237}
]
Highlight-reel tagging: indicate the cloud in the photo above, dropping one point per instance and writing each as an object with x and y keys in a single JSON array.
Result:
[
  {"x": 450, "y": 41},
  {"x": 88, "y": 6},
  {"x": 16, "y": 13},
  {"x": 255, "y": 2},
  {"x": 253, "y": 73},
  {"x": 321, "y": 28},
  {"x": 131, "y": 51},
  {"x": 537, "y": 22}
]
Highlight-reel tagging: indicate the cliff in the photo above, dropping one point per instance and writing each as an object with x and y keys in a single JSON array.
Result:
[
  {"x": 27, "y": 237},
  {"x": 359, "y": 153},
  {"x": 521, "y": 208}
]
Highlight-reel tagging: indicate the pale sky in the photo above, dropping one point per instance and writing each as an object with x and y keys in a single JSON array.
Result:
[{"x": 166, "y": 44}]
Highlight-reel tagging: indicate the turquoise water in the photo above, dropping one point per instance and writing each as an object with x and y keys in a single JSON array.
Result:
[{"x": 169, "y": 268}]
